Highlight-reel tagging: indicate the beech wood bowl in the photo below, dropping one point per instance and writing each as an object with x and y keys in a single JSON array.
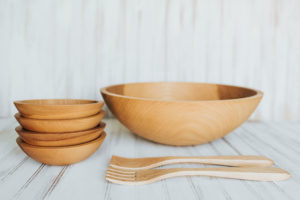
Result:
[
  {"x": 64, "y": 142},
  {"x": 60, "y": 125},
  {"x": 31, "y": 135},
  {"x": 58, "y": 108},
  {"x": 181, "y": 113},
  {"x": 61, "y": 155}
]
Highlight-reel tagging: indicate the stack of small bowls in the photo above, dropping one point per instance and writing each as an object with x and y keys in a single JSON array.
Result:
[{"x": 60, "y": 131}]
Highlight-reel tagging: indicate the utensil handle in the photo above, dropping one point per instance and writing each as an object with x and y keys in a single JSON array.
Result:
[
  {"x": 244, "y": 173},
  {"x": 152, "y": 162},
  {"x": 235, "y": 161}
]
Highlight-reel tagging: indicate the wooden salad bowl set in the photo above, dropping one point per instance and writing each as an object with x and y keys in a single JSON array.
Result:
[{"x": 61, "y": 132}]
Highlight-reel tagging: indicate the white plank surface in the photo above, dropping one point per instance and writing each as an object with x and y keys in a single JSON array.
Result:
[
  {"x": 23, "y": 178},
  {"x": 71, "y": 48}
]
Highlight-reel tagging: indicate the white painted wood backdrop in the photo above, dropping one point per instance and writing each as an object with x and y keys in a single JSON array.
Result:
[{"x": 71, "y": 48}]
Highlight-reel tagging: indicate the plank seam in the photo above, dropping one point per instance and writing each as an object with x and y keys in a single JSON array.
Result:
[
  {"x": 198, "y": 196},
  {"x": 33, "y": 176},
  {"x": 248, "y": 186},
  {"x": 13, "y": 170},
  {"x": 107, "y": 190},
  {"x": 273, "y": 183},
  {"x": 166, "y": 191},
  {"x": 55, "y": 182}
]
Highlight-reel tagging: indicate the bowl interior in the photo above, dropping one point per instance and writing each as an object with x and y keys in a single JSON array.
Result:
[
  {"x": 180, "y": 91},
  {"x": 56, "y": 101}
]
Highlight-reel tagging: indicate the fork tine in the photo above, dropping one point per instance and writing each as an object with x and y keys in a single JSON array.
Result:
[
  {"x": 121, "y": 181},
  {"x": 119, "y": 175},
  {"x": 124, "y": 179},
  {"x": 153, "y": 175},
  {"x": 116, "y": 176},
  {"x": 120, "y": 171}
]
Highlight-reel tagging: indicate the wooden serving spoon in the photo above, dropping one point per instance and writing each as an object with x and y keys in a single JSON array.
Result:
[{"x": 152, "y": 162}]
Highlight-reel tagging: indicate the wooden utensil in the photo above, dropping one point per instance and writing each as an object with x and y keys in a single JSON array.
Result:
[
  {"x": 148, "y": 163},
  {"x": 58, "y": 108},
  {"x": 180, "y": 113},
  {"x": 65, "y": 142},
  {"x": 31, "y": 135},
  {"x": 60, "y": 125},
  {"x": 61, "y": 155},
  {"x": 140, "y": 177}
]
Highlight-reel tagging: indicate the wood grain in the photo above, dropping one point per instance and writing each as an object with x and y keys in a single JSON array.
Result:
[
  {"x": 56, "y": 136},
  {"x": 147, "y": 176},
  {"x": 65, "y": 142},
  {"x": 181, "y": 113},
  {"x": 61, "y": 155},
  {"x": 119, "y": 162},
  {"x": 54, "y": 182},
  {"x": 60, "y": 125},
  {"x": 58, "y": 108}
]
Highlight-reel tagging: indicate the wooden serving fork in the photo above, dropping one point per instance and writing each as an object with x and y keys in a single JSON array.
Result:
[
  {"x": 140, "y": 177},
  {"x": 148, "y": 163}
]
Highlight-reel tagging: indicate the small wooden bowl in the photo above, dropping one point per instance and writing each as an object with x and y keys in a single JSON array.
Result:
[
  {"x": 65, "y": 142},
  {"x": 60, "y": 125},
  {"x": 181, "y": 113},
  {"x": 58, "y": 108},
  {"x": 61, "y": 155},
  {"x": 30, "y": 135}
]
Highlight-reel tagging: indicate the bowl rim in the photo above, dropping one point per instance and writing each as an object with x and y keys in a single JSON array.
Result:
[
  {"x": 28, "y": 102},
  {"x": 19, "y": 128},
  {"x": 98, "y": 139},
  {"x": 105, "y": 91},
  {"x": 18, "y": 115}
]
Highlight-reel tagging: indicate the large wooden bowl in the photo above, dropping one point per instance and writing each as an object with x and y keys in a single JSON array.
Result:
[
  {"x": 61, "y": 155},
  {"x": 60, "y": 125},
  {"x": 31, "y": 135},
  {"x": 181, "y": 113},
  {"x": 58, "y": 108}
]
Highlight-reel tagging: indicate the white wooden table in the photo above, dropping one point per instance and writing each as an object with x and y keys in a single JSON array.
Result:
[{"x": 23, "y": 178}]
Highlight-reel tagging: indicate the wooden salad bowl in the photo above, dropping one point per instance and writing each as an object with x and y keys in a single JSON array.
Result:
[
  {"x": 181, "y": 113},
  {"x": 60, "y": 125},
  {"x": 58, "y": 108},
  {"x": 61, "y": 155},
  {"x": 30, "y": 135}
]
